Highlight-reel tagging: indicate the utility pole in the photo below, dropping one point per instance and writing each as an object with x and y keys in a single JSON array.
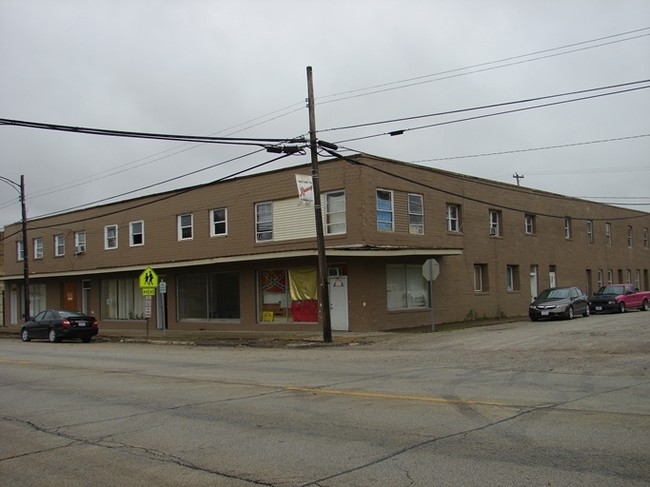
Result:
[
  {"x": 320, "y": 238},
  {"x": 21, "y": 190},
  {"x": 518, "y": 177},
  {"x": 25, "y": 248}
]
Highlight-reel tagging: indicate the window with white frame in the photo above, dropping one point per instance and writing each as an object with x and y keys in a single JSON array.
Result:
[
  {"x": 219, "y": 222},
  {"x": 567, "y": 228},
  {"x": 20, "y": 251},
  {"x": 59, "y": 245},
  {"x": 637, "y": 280},
  {"x": 416, "y": 214},
  {"x": 453, "y": 218},
  {"x": 385, "y": 222},
  {"x": 110, "y": 237},
  {"x": 608, "y": 234},
  {"x": 136, "y": 233},
  {"x": 646, "y": 238},
  {"x": 264, "y": 222},
  {"x": 406, "y": 287},
  {"x": 590, "y": 232},
  {"x": 610, "y": 276},
  {"x": 512, "y": 278},
  {"x": 629, "y": 236},
  {"x": 529, "y": 224},
  {"x": 481, "y": 278},
  {"x": 495, "y": 223},
  {"x": 38, "y": 248},
  {"x": 335, "y": 213},
  {"x": 185, "y": 226},
  {"x": 80, "y": 242},
  {"x": 600, "y": 278}
]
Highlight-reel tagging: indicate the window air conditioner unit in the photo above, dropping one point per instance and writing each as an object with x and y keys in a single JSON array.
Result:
[
  {"x": 493, "y": 231},
  {"x": 80, "y": 249}
]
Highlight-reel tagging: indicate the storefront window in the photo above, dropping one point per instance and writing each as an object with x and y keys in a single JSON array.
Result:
[
  {"x": 288, "y": 295},
  {"x": 122, "y": 299},
  {"x": 212, "y": 296},
  {"x": 406, "y": 287}
]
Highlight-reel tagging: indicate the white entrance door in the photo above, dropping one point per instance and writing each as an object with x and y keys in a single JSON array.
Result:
[{"x": 338, "y": 287}]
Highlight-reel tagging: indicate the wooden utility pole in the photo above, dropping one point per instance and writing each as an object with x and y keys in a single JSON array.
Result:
[{"x": 320, "y": 238}]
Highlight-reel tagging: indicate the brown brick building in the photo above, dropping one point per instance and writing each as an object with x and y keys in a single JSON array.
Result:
[{"x": 241, "y": 254}]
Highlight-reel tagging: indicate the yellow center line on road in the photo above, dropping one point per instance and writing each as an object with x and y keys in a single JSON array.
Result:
[{"x": 400, "y": 397}]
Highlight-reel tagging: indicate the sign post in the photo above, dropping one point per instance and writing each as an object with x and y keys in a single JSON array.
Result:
[
  {"x": 148, "y": 283},
  {"x": 431, "y": 271}
]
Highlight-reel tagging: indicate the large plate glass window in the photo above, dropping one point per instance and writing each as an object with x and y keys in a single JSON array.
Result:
[
  {"x": 208, "y": 296},
  {"x": 406, "y": 287}
]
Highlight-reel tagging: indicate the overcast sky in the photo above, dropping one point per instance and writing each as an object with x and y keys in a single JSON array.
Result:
[{"x": 237, "y": 68}]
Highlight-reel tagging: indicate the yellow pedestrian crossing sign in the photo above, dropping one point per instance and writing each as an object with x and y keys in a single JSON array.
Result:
[{"x": 149, "y": 278}]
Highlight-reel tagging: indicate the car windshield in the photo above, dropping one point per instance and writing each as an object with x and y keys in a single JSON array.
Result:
[
  {"x": 612, "y": 290},
  {"x": 558, "y": 293}
]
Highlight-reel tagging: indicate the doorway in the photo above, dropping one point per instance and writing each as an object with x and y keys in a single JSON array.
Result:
[{"x": 338, "y": 287}]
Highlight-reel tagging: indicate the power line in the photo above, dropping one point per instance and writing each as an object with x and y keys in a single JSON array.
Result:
[
  {"x": 167, "y": 196},
  {"x": 148, "y": 135},
  {"x": 531, "y": 149},
  {"x": 457, "y": 71},
  {"x": 485, "y": 107},
  {"x": 504, "y": 112}
]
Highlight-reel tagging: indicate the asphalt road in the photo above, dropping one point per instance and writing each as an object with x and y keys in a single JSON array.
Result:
[{"x": 562, "y": 403}]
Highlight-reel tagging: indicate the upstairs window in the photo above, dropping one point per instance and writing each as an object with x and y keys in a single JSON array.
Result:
[
  {"x": 20, "y": 251},
  {"x": 453, "y": 218},
  {"x": 38, "y": 248},
  {"x": 218, "y": 222},
  {"x": 608, "y": 234},
  {"x": 495, "y": 223},
  {"x": 185, "y": 226},
  {"x": 529, "y": 224},
  {"x": 416, "y": 214},
  {"x": 79, "y": 242},
  {"x": 567, "y": 228},
  {"x": 59, "y": 245},
  {"x": 629, "y": 236},
  {"x": 385, "y": 211},
  {"x": 136, "y": 233},
  {"x": 645, "y": 238},
  {"x": 590, "y": 232},
  {"x": 263, "y": 222},
  {"x": 110, "y": 237},
  {"x": 335, "y": 213}
]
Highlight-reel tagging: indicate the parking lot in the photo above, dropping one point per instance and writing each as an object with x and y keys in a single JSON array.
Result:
[{"x": 551, "y": 403}]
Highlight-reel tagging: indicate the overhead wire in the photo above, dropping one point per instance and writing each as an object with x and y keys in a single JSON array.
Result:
[{"x": 493, "y": 114}]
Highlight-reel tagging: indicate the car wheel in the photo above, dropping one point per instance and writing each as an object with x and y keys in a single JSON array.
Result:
[
  {"x": 587, "y": 312},
  {"x": 52, "y": 336},
  {"x": 644, "y": 306},
  {"x": 25, "y": 336},
  {"x": 569, "y": 313},
  {"x": 621, "y": 307}
]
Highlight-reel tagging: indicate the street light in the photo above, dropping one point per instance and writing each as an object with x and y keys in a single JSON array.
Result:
[{"x": 21, "y": 191}]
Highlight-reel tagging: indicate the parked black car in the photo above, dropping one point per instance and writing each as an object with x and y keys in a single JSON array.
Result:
[
  {"x": 58, "y": 324},
  {"x": 559, "y": 302}
]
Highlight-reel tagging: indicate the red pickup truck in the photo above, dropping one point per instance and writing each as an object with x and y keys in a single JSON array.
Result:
[{"x": 619, "y": 297}]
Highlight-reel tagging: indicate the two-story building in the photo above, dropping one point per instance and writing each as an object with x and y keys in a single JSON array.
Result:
[{"x": 241, "y": 254}]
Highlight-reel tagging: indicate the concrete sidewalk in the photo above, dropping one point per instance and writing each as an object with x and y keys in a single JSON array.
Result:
[{"x": 270, "y": 339}]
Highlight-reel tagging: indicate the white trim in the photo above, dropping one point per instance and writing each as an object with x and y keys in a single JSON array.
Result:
[{"x": 385, "y": 252}]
